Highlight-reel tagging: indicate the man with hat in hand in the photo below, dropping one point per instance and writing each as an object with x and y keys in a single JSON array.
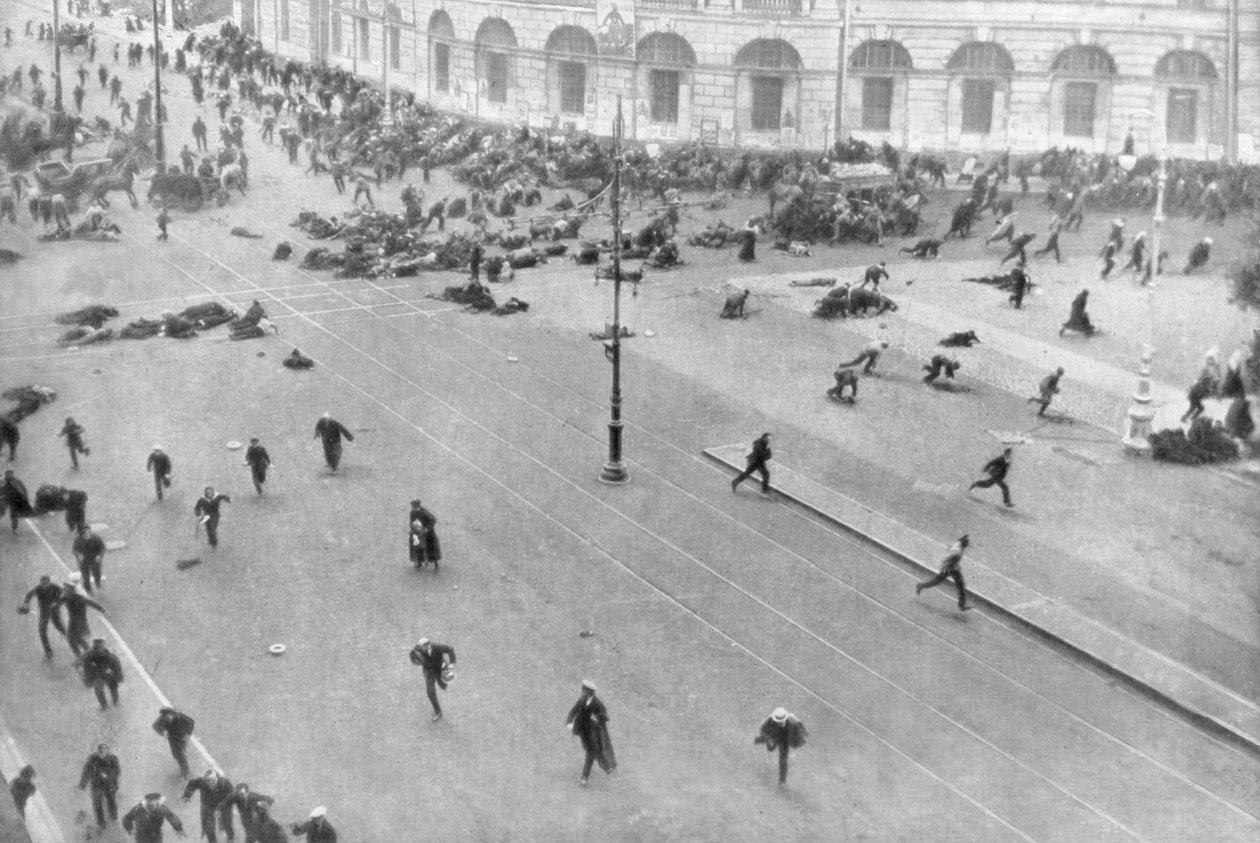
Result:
[
  {"x": 101, "y": 772},
  {"x": 207, "y": 510},
  {"x": 48, "y": 596},
  {"x": 330, "y": 432},
  {"x": 177, "y": 728},
  {"x": 316, "y": 828},
  {"x": 216, "y": 796},
  {"x": 101, "y": 669},
  {"x": 258, "y": 460},
  {"x": 588, "y": 719},
  {"x": 784, "y": 732},
  {"x": 76, "y": 605},
  {"x": 146, "y": 819},
  {"x": 435, "y": 659},
  {"x": 160, "y": 464},
  {"x": 951, "y": 567}
]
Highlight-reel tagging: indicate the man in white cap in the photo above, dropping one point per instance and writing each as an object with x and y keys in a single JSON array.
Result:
[
  {"x": 784, "y": 732},
  {"x": 331, "y": 432},
  {"x": 434, "y": 659},
  {"x": 146, "y": 819},
  {"x": 160, "y": 465},
  {"x": 316, "y": 828},
  {"x": 588, "y": 719}
]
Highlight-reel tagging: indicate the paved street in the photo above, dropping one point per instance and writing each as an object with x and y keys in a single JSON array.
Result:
[{"x": 695, "y": 610}]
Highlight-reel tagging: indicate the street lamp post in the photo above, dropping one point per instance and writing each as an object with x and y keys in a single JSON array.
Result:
[
  {"x": 159, "y": 142},
  {"x": 614, "y": 470},
  {"x": 57, "y": 58},
  {"x": 385, "y": 59}
]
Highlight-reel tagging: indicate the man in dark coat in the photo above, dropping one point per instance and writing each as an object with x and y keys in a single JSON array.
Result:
[
  {"x": 76, "y": 606},
  {"x": 995, "y": 471},
  {"x": 73, "y": 432},
  {"x": 266, "y": 828},
  {"x": 160, "y": 464},
  {"x": 76, "y": 509},
  {"x": 89, "y": 549},
  {"x": 316, "y": 828},
  {"x": 101, "y": 669},
  {"x": 1019, "y": 286},
  {"x": 13, "y": 498},
  {"x": 1199, "y": 255},
  {"x": 207, "y": 510},
  {"x": 146, "y": 819},
  {"x": 1048, "y": 388},
  {"x": 747, "y": 244},
  {"x": 757, "y": 459},
  {"x": 22, "y": 789},
  {"x": 1078, "y": 318},
  {"x": 433, "y": 659},
  {"x": 258, "y": 460},
  {"x": 938, "y": 365},
  {"x": 331, "y": 432},
  {"x": 784, "y": 732},
  {"x": 177, "y": 728},
  {"x": 247, "y": 804},
  {"x": 101, "y": 772},
  {"x": 844, "y": 378},
  {"x": 873, "y": 275},
  {"x": 216, "y": 795},
  {"x": 48, "y": 597},
  {"x": 1202, "y": 389},
  {"x": 9, "y": 435},
  {"x": 422, "y": 536},
  {"x": 588, "y": 719},
  {"x": 1018, "y": 245},
  {"x": 951, "y": 568}
]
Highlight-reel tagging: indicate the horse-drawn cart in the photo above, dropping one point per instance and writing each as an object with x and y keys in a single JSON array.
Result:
[{"x": 863, "y": 179}]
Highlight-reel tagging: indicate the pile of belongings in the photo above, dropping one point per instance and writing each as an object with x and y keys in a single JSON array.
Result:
[
  {"x": 1207, "y": 442},
  {"x": 28, "y": 399}
]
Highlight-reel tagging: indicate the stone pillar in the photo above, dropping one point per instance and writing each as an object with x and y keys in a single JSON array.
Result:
[{"x": 1135, "y": 442}]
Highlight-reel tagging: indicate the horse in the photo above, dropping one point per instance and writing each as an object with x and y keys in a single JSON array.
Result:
[
  {"x": 123, "y": 180},
  {"x": 232, "y": 174}
]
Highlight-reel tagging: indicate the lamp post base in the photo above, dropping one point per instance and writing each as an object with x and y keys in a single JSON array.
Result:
[{"x": 614, "y": 473}]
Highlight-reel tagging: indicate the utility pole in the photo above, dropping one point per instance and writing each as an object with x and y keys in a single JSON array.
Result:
[
  {"x": 57, "y": 59},
  {"x": 159, "y": 143},
  {"x": 614, "y": 470},
  {"x": 385, "y": 59}
]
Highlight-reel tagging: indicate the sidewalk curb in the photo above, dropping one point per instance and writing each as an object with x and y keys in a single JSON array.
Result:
[
  {"x": 1199, "y": 700},
  {"x": 41, "y": 825}
]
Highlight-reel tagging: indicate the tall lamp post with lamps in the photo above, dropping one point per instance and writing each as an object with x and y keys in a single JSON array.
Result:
[
  {"x": 159, "y": 140},
  {"x": 1136, "y": 440},
  {"x": 614, "y": 470}
]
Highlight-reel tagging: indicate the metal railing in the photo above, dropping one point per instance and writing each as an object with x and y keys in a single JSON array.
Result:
[
  {"x": 773, "y": 7},
  {"x": 678, "y": 5}
]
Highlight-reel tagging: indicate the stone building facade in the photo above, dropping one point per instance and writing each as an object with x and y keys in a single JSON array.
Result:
[{"x": 944, "y": 75}]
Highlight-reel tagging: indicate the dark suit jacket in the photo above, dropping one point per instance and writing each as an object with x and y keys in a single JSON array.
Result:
[
  {"x": 147, "y": 824},
  {"x": 101, "y": 772},
  {"x": 213, "y": 798},
  {"x": 760, "y": 454},
  {"x": 587, "y": 716},
  {"x": 432, "y": 661}
]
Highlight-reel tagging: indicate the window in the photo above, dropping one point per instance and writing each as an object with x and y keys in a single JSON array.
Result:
[
  {"x": 767, "y": 103},
  {"x": 880, "y": 55},
  {"x": 877, "y": 96},
  {"x": 768, "y": 54},
  {"x": 572, "y": 87},
  {"x": 365, "y": 40},
  {"x": 977, "y": 106},
  {"x": 666, "y": 48},
  {"x": 496, "y": 77},
  {"x": 1183, "y": 108},
  {"x": 336, "y": 32},
  {"x": 1078, "y": 109},
  {"x": 663, "y": 90},
  {"x": 1084, "y": 60},
  {"x": 284, "y": 20},
  {"x": 395, "y": 48},
  {"x": 442, "y": 67},
  {"x": 982, "y": 57},
  {"x": 1183, "y": 64}
]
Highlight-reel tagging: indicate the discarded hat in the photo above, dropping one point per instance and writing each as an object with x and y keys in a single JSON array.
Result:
[
  {"x": 318, "y": 811},
  {"x": 1207, "y": 240},
  {"x": 74, "y": 578},
  {"x": 779, "y": 715},
  {"x": 589, "y": 685}
]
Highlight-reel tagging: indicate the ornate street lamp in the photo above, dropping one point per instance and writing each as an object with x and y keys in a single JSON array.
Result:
[{"x": 614, "y": 470}]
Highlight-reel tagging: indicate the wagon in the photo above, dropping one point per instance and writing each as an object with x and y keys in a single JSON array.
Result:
[
  {"x": 70, "y": 180},
  {"x": 181, "y": 190}
]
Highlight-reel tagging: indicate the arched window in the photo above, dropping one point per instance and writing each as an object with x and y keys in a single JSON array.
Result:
[
  {"x": 880, "y": 55},
  {"x": 440, "y": 26},
  {"x": 571, "y": 39},
  {"x": 393, "y": 35},
  {"x": 365, "y": 32},
  {"x": 568, "y": 46},
  {"x": 768, "y": 54},
  {"x": 673, "y": 56},
  {"x": 284, "y": 20},
  {"x": 334, "y": 23},
  {"x": 1084, "y": 60},
  {"x": 495, "y": 43},
  {"x": 981, "y": 57},
  {"x": 1186, "y": 74},
  {"x": 984, "y": 62}
]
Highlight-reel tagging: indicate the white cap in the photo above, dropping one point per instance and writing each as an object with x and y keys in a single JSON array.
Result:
[
  {"x": 318, "y": 811},
  {"x": 589, "y": 685},
  {"x": 157, "y": 447},
  {"x": 779, "y": 715},
  {"x": 422, "y": 642}
]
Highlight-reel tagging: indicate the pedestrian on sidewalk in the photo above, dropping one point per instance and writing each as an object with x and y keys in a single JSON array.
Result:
[
  {"x": 781, "y": 731},
  {"x": 869, "y": 355},
  {"x": 951, "y": 569},
  {"x": 148, "y": 817},
  {"x": 101, "y": 773},
  {"x": 177, "y": 728},
  {"x": 331, "y": 432},
  {"x": 163, "y": 220},
  {"x": 216, "y": 796},
  {"x": 207, "y": 511},
  {"x": 757, "y": 459},
  {"x": 73, "y": 433},
  {"x": 101, "y": 669},
  {"x": 1048, "y": 388},
  {"x": 48, "y": 598},
  {"x": 76, "y": 606},
  {"x": 22, "y": 789},
  {"x": 89, "y": 550},
  {"x": 437, "y": 662},
  {"x": 995, "y": 471},
  {"x": 588, "y": 719},
  {"x": 940, "y": 364},
  {"x": 258, "y": 460},
  {"x": 13, "y": 497},
  {"x": 317, "y": 828},
  {"x": 159, "y": 463}
]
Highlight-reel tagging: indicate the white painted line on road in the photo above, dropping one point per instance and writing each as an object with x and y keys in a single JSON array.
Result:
[
  {"x": 126, "y": 652},
  {"x": 41, "y": 825}
]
